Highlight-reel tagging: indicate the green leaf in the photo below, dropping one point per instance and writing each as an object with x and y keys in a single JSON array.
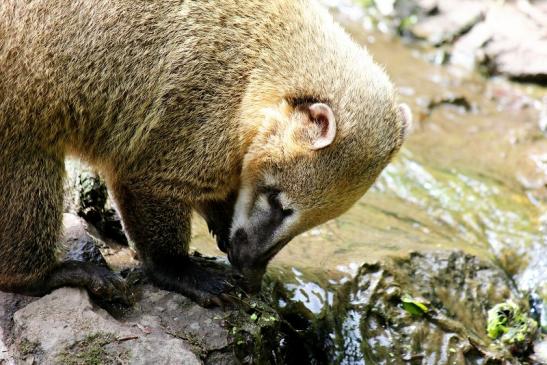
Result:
[{"x": 413, "y": 305}]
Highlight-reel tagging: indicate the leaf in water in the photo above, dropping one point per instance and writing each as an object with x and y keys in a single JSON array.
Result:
[{"x": 413, "y": 305}]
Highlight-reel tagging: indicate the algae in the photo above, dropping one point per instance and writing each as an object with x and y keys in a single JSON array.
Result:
[
  {"x": 512, "y": 327},
  {"x": 413, "y": 306}
]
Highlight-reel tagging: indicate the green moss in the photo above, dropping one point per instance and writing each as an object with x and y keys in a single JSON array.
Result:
[
  {"x": 508, "y": 324},
  {"x": 27, "y": 347},
  {"x": 90, "y": 351}
]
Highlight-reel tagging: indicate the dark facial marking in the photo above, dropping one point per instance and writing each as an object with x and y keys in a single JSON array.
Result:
[{"x": 249, "y": 252}]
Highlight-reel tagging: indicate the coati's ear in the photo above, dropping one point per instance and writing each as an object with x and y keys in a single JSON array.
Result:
[
  {"x": 406, "y": 115},
  {"x": 322, "y": 115}
]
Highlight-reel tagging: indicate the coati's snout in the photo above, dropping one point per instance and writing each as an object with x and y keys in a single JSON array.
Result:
[
  {"x": 256, "y": 240},
  {"x": 249, "y": 262}
]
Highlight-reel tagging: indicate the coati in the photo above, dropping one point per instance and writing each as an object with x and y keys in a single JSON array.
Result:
[{"x": 263, "y": 116}]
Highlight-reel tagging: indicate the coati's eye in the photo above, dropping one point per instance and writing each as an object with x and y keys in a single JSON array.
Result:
[{"x": 273, "y": 199}]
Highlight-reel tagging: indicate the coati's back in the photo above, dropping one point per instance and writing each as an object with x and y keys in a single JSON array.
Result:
[
  {"x": 89, "y": 64},
  {"x": 100, "y": 74}
]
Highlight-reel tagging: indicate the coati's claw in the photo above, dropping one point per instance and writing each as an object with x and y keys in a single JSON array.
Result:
[
  {"x": 204, "y": 281},
  {"x": 110, "y": 287}
]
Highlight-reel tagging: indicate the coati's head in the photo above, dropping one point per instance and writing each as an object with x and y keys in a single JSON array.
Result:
[
  {"x": 324, "y": 121},
  {"x": 309, "y": 163}
]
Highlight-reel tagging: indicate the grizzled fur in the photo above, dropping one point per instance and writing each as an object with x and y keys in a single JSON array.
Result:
[{"x": 175, "y": 102}]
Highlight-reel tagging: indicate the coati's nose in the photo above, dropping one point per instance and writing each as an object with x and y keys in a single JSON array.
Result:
[
  {"x": 235, "y": 248},
  {"x": 242, "y": 255}
]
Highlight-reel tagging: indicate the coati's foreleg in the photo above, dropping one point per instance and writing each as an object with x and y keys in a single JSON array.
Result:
[
  {"x": 31, "y": 201},
  {"x": 218, "y": 215},
  {"x": 160, "y": 229}
]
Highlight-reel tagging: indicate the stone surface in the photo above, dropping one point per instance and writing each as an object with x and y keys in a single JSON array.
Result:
[
  {"x": 513, "y": 42},
  {"x": 510, "y": 38},
  {"x": 79, "y": 244},
  {"x": 66, "y": 326},
  {"x": 540, "y": 352},
  {"x": 453, "y": 19},
  {"x": 5, "y": 356}
]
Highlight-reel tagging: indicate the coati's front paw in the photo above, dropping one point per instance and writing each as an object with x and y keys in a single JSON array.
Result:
[
  {"x": 201, "y": 279},
  {"x": 108, "y": 286}
]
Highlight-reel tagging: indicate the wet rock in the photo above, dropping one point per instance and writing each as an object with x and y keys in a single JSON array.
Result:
[
  {"x": 509, "y": 41},
  {"x": 450, "y": 293},
  {"x": 452, "y": 19}
]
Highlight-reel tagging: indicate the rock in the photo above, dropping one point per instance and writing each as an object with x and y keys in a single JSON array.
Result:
[
  {"x": 172, "y": 313},
  {"x": 453, "y": 19},
  {"x": 506, "y": 38},
  {"x": 97, "y": 208},
  {"x": 86, "y": 195},
  {"x": 540, "y": 352},
  {"x": 5, "y": 357},
  {"x": 162, "y": 327},
  {"x": 428, "y": 308},
  {"x": 518, "y": 45},
  {"x": 9, "y": 304},
  {"x": 511, "y": 41},
  {"x": 81, "y": 246},
  {"x": 64, "y": 327}
]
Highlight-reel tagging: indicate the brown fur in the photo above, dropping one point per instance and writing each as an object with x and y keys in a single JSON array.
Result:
[{"x": 167, "y": 99}]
